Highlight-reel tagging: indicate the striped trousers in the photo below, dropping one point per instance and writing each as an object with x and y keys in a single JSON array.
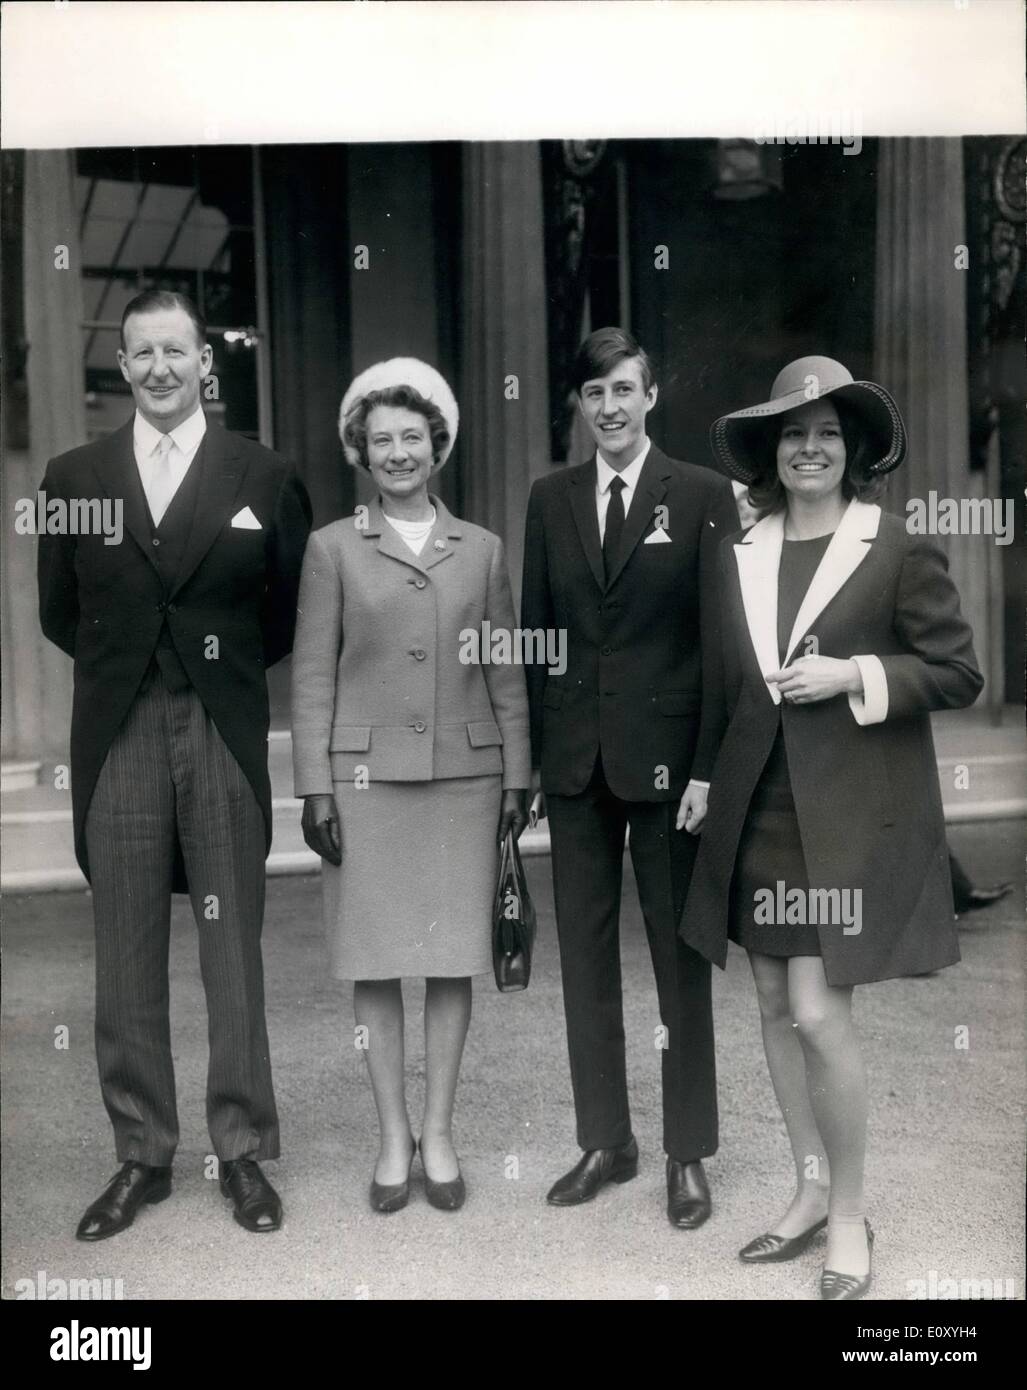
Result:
[{"x": 168, "y": 774}]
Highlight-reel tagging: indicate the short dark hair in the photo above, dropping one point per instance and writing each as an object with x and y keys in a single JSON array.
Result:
[
  {"x": 767, "y": 493},
  {"x": 151, "y": 301},
  {"x": 355, "y": 429},
  {"x": 602, "y": 350}
]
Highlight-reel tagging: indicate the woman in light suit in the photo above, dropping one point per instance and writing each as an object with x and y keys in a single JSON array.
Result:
[
  {"x": 823, "y": 850},
  {"x": 408, "y": 758}
]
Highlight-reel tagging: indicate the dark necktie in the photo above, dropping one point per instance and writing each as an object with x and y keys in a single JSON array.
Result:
[{"x": 614, "y": 526}]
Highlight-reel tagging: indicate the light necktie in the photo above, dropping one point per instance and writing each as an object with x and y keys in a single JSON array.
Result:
[
  {"x": 162, "y": 487},
  {"x": 614, "y": 526}
]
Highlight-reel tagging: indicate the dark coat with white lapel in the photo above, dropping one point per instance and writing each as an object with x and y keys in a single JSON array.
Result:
[
  {"x": 634, "y": 683},
  {"x": 105, "y": 604},
  {"x": 863, "y": 770}
]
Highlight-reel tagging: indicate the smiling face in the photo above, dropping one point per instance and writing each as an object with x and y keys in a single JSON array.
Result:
[
  {"x": 399, "y": 451},
  {"x": 615, "y": 407},
  {"x": 165, "y": 364},
  {"x": 811, "y": 451}
]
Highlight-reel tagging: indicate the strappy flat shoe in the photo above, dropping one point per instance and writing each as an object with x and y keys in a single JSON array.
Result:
[
  {"x": 835, "y": 1287},
  {"x": 768, "y": 1249}
]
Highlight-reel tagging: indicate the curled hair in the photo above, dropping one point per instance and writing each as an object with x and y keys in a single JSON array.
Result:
[
  {"x": 355, "y": 430},
  {"x": 152, "y": 301},
  {"x": 602, "y": 350},
  {"x": 767, "y": 492}
]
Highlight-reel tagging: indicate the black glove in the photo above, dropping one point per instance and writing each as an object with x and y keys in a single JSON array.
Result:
[
  {"x": 320, "y": 825},
  {"x": 514, "y": 812}
]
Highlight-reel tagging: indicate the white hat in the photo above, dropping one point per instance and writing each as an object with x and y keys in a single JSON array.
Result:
[{"x": 401, "y": 371}]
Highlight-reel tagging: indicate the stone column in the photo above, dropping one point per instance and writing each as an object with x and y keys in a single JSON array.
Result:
[
  {"x": 37, "y": 678},
  {"x": 920, "y": 346},
  {"x": 504, "y": 398}
]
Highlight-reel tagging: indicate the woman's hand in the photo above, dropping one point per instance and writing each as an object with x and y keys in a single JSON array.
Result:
[
  {"x": 320, "y": 826},
  {"x": 692, "y": 810},
  {"x": 514, "y": 812},
  {"x": 813, "y": 678}
]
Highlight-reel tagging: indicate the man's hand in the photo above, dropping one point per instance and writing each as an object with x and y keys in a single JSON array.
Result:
[
  {"x": 320, "y": 826},
  {"x": 514, "y": 812},
  {"x": 814, "y": 678},
  {"x": 692, "y": 810}
]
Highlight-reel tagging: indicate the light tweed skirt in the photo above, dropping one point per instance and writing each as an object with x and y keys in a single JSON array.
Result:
[{"x": 413, "y": 895}]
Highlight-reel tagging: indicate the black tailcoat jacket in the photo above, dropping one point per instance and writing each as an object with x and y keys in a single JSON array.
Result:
[
  {"x": 634, "y": 683},
  {"x": 105, "y": 605},
  {"x": 863, "y": 771}
]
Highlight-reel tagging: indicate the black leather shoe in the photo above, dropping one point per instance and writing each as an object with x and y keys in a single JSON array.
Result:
[
  {"x": 981, "y": 897},
  {"x": 836, "y": 1288},
  {"x": 446, "y": 1196},
  {"x": 393, "y": 1196},
  {"x": 257, "y": 1205},
  {"x": 768, "y": 1249},
  {"x": 593, "y": 1169},
  {"x": 688, "y": 1195},
  {"x": 115, "y": 1209}
]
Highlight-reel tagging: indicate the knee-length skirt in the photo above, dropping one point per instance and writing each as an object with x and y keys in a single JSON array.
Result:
[{"x": 414, "y": 893}]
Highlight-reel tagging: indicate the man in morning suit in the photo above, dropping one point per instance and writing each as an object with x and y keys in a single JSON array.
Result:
[
  {"x": 172, "y": 631},
  {"x": 619, "y": 552}
]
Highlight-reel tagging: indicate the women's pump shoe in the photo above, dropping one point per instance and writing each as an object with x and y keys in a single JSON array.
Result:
[
  {"x": 446, "y": 1196},
  {"x": 389, "y": 1197},
  {"x": 768, "y": 1249},
  {"x": 835, "y": 1287}
]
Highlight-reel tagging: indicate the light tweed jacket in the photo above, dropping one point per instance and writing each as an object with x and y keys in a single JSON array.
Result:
[{"x": 377, "y": 680}]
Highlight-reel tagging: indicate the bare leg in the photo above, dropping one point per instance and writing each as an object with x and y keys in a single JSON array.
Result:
[
  {"x": 447, "y": 1015},
  {"x": 378, "y": 1006},
  {"x": 787, "y": 1067},
  {"x": 838, "y": 1096}
]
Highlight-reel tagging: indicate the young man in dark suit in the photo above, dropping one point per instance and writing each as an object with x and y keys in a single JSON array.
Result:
[
  {"x": 620, "y": 552},
  {"x": 171, "y": 631}
]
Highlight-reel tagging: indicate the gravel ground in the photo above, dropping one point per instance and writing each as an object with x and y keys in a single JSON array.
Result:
[{"x": 945, "y": 1168}]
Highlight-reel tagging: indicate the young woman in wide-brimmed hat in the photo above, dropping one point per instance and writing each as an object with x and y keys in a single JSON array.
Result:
[
  {"x": 823, "y": 851},
  {"x": 411, "y": 759}
]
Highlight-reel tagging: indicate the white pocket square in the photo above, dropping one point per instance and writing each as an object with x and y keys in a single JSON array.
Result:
[
  {"x": 246, "y": 520},
  {"x": 657, "y": 537}
]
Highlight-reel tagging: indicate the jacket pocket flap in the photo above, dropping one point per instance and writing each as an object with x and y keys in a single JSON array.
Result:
[
  {"x": 553, "y": 697},
  {"x": 677, "y": 702},
  {"x": 484, "y": 733},
  {"x": 350, "y": 739}
]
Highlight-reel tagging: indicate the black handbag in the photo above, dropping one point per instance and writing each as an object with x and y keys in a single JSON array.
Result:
[{"x": 513, "y": 922}]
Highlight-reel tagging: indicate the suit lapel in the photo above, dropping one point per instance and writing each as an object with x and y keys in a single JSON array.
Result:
[
  {"x": 221, "y": 476},
  {"x": 582, "y": 497},
  {"x": 758, "y": 557},
  {"x": 437, "y": 547},
  {"x": 118, "y": 477},
  {"x": 848, "y": 548},
  {"x": 649, "y": 492}
]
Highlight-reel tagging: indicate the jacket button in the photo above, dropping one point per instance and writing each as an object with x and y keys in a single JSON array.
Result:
[
  {"x": 606, "y": 651},
  {"x": 172, "y": 607},
  {"x": 418, "y": 654},
  {"x": 156, "y": 541},
  {"x": 161, "y": 607},
  {"x": 420, "y": 583},
  {"x": 419, "y": 727}
]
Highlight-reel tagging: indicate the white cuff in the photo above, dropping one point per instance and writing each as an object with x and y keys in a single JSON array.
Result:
[
  {"x": 694, "y": 782},
  {"x": 871, "y": 707}
]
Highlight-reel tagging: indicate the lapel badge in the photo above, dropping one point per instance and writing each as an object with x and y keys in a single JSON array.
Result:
[{"x": 440, "y": 545}]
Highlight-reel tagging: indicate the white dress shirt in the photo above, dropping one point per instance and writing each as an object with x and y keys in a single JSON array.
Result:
[
  {"x": 415, "y": 533},
  {"x": 605, "y": 476},
  {"x": 146, "y": 441}
]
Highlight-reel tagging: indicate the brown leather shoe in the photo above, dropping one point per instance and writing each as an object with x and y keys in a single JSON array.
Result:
[
  {"x": 131, "y": 1187},
  {"x": 595, "y": 1168},
  {"x": 688, "y": 1195}
]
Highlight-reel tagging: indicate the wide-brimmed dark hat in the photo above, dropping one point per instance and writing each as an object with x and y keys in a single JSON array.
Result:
[{"x": 737, "y": 438}]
